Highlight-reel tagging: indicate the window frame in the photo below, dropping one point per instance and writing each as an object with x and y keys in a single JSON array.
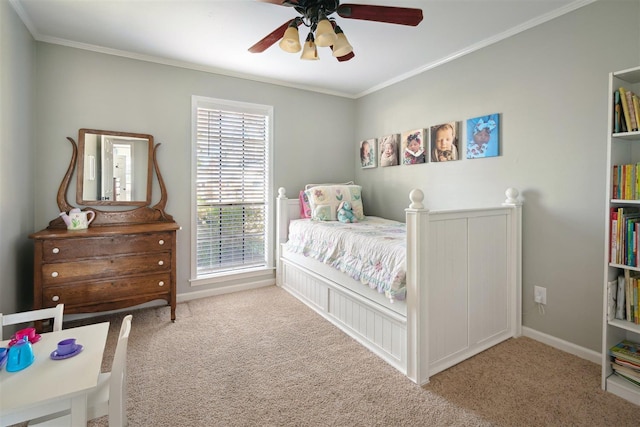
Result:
[{"x": 233, "y": 273}]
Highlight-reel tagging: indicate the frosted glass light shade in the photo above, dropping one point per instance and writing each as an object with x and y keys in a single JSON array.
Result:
[
  {"x": 341, "y": 47},
  {"x": 290, "y": 41},
  {"x": 309, "y": 50},
  {"x": 325, "y": 36}
]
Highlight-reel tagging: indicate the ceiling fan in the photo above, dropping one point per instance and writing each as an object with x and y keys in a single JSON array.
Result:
[{"x": 316, "y": 15}]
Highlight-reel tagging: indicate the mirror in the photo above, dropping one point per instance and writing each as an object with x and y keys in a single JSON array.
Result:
[{"x": 114, "y": 168}]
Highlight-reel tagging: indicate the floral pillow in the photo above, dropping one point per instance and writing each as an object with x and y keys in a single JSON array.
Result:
[
  {"x": 325, "y": 199},
  {"x": 305, "y": 208}
]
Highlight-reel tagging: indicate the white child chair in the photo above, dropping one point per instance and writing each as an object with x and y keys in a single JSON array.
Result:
[
  {"x": 110, "y": 396},
  {"x": 54, "y": 313}
]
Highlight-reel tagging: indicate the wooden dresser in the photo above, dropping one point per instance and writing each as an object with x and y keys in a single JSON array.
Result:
[
  {"x": 124, "y": 258},
  {"x": 105, "y": 268}
]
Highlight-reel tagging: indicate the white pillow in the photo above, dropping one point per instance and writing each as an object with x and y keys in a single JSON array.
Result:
[{"x": 325, "y": 199}]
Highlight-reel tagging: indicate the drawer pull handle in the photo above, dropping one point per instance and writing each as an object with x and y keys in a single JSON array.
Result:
[
  {"x": 161, "y": 242},
  {"x": 55, "y": 298},
  {"x": 55, "y": 250},
  {"x": 161, "y": 283},
  {"x": 54, "y": 274},
  {"x": 160, "y": 262}
]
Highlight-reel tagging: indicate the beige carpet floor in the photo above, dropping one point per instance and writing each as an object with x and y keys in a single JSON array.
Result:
[{"x": 262, "y": 358}]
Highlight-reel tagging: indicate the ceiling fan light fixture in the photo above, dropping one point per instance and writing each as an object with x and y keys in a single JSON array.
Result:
[
  {"x": 341, "y": 47},
  {"x": 309, "y": 50},
  {"x": 291, "y": 40},
  {"x": 325, "y": 36},
  {"x": 317, "y": 15}
]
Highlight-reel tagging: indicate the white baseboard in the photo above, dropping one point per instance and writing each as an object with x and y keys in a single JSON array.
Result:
[
  {"x": 188, "y": 296},
  {"x": 563, "y": 345},
  {"x": 550, "y": 340},
  {"x": 179, "y": 298}
]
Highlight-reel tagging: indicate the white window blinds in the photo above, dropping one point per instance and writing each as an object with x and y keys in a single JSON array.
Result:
[{"x": 231, "y": 189}]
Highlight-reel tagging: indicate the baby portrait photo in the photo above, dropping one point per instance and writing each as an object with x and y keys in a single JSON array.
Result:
[
  {"x": 413, "y": 147},
  {"x": 483, "y": 136},
  {"x": 368, "y": 153},
  {"x": 444, "y": 142},
  {"x": 389, "y": 150}
]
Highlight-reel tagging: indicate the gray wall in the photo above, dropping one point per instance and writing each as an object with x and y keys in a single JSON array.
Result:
[
  {"x": 550, "y": 86},
  {"x": 81, "y": 89},
  {"x": 17, "y": 67}
]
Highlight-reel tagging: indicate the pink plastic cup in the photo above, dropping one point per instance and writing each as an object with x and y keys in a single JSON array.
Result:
[{"x": 30, "y": 333}]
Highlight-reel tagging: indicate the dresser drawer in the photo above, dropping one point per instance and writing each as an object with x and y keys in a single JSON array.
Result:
[
  {"x": 108, "y": 290},
  {"x": 112, "y": 266},
  {"x": 86, "y": 247}
]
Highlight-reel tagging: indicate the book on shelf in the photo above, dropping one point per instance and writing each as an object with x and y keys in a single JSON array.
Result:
[
  {"x": 632, "y": 110},
  {"x": 613, "y": 228},
  {"x": 612, "y": 296},
  {"x": 627, "y": 378},
  {"x": 620, "y": 300},
  {"x": 625, "y": 109},
  {"x": 617, "y": 112},
  {"x": 628, "y": 364},
  {"x": 629, "y": 302},
  {"x": 625, "y": 181},
  {"x": 626, "y": 350},
  {"x": 636, "y": 107},
  {"x": 624, "y": 224},
  {"x": 615, "y": 189},
  {"x": 630, "y": 372},
  {"x": 622, "y": 297}
]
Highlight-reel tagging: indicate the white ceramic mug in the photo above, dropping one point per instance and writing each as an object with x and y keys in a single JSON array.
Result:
[{"x": 80, "y": 220}]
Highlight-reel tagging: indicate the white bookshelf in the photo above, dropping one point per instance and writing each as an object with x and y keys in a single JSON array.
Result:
[{"x": 622, "y": 148}]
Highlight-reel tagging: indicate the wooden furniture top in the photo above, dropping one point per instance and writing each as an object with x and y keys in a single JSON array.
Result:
[{"x": 101, "y": 231}]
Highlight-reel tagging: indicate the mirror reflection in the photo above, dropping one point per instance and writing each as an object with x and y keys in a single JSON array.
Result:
[{"x": 114, "y": 168}]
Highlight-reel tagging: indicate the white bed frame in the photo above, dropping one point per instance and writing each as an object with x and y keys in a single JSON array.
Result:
[{"x": 463, "y": 287}]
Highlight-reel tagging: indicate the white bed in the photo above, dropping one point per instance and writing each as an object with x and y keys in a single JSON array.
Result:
[{"x": 463, "y": 286}]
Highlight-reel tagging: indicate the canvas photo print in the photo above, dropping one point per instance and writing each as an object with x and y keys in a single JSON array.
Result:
[
  {"x": 368, "y": 157},
  {"x": 413, "y": 147},
  {"x": 388, "y": 148},
  {"x": 483, "y": 136},
  {"x": 444, "y": 142}
]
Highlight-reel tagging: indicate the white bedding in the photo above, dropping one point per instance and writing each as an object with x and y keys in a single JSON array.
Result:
[{"x": 372, "y": 251}]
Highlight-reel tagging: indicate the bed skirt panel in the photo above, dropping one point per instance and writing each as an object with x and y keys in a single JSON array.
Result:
[{"x": 381, "y": 331}]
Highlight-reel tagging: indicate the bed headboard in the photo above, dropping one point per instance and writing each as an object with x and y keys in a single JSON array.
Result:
[{"x": 286, "y": 210}]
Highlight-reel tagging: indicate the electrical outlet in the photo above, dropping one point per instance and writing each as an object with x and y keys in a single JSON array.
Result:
[{"x": 540, "y": 294}]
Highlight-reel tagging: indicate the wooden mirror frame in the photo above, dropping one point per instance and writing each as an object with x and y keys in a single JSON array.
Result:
[
  {"x": 140, "y": 215},
  {"x": 81, "y": 168}
]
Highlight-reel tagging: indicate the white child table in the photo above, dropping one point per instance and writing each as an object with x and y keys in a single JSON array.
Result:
[{"x": 28, "y": 394}]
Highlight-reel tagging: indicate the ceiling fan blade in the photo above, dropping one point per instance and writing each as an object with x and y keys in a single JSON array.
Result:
[
  {"x": 270, "y": 39},
  {"x": 346, "y": 57},
  {"x": 281, "y": 2},
  {"x": 390, "y": 14}
]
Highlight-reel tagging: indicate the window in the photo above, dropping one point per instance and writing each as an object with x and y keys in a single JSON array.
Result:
[{"x": 231, "y": 168}]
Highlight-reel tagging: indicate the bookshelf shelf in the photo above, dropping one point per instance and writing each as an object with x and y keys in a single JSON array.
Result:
[
  {"x": 627, "y": 136},
  {"x": 625, "y": 201},
  {"x": 624, "y": 267},
  {"x": 622, "y": 388},
  {"x": 623, "y": 148},
  {"x": 624, "y": 324}
]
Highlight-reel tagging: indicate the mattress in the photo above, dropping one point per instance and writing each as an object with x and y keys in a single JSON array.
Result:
[{"x": 372, "y": 251}]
